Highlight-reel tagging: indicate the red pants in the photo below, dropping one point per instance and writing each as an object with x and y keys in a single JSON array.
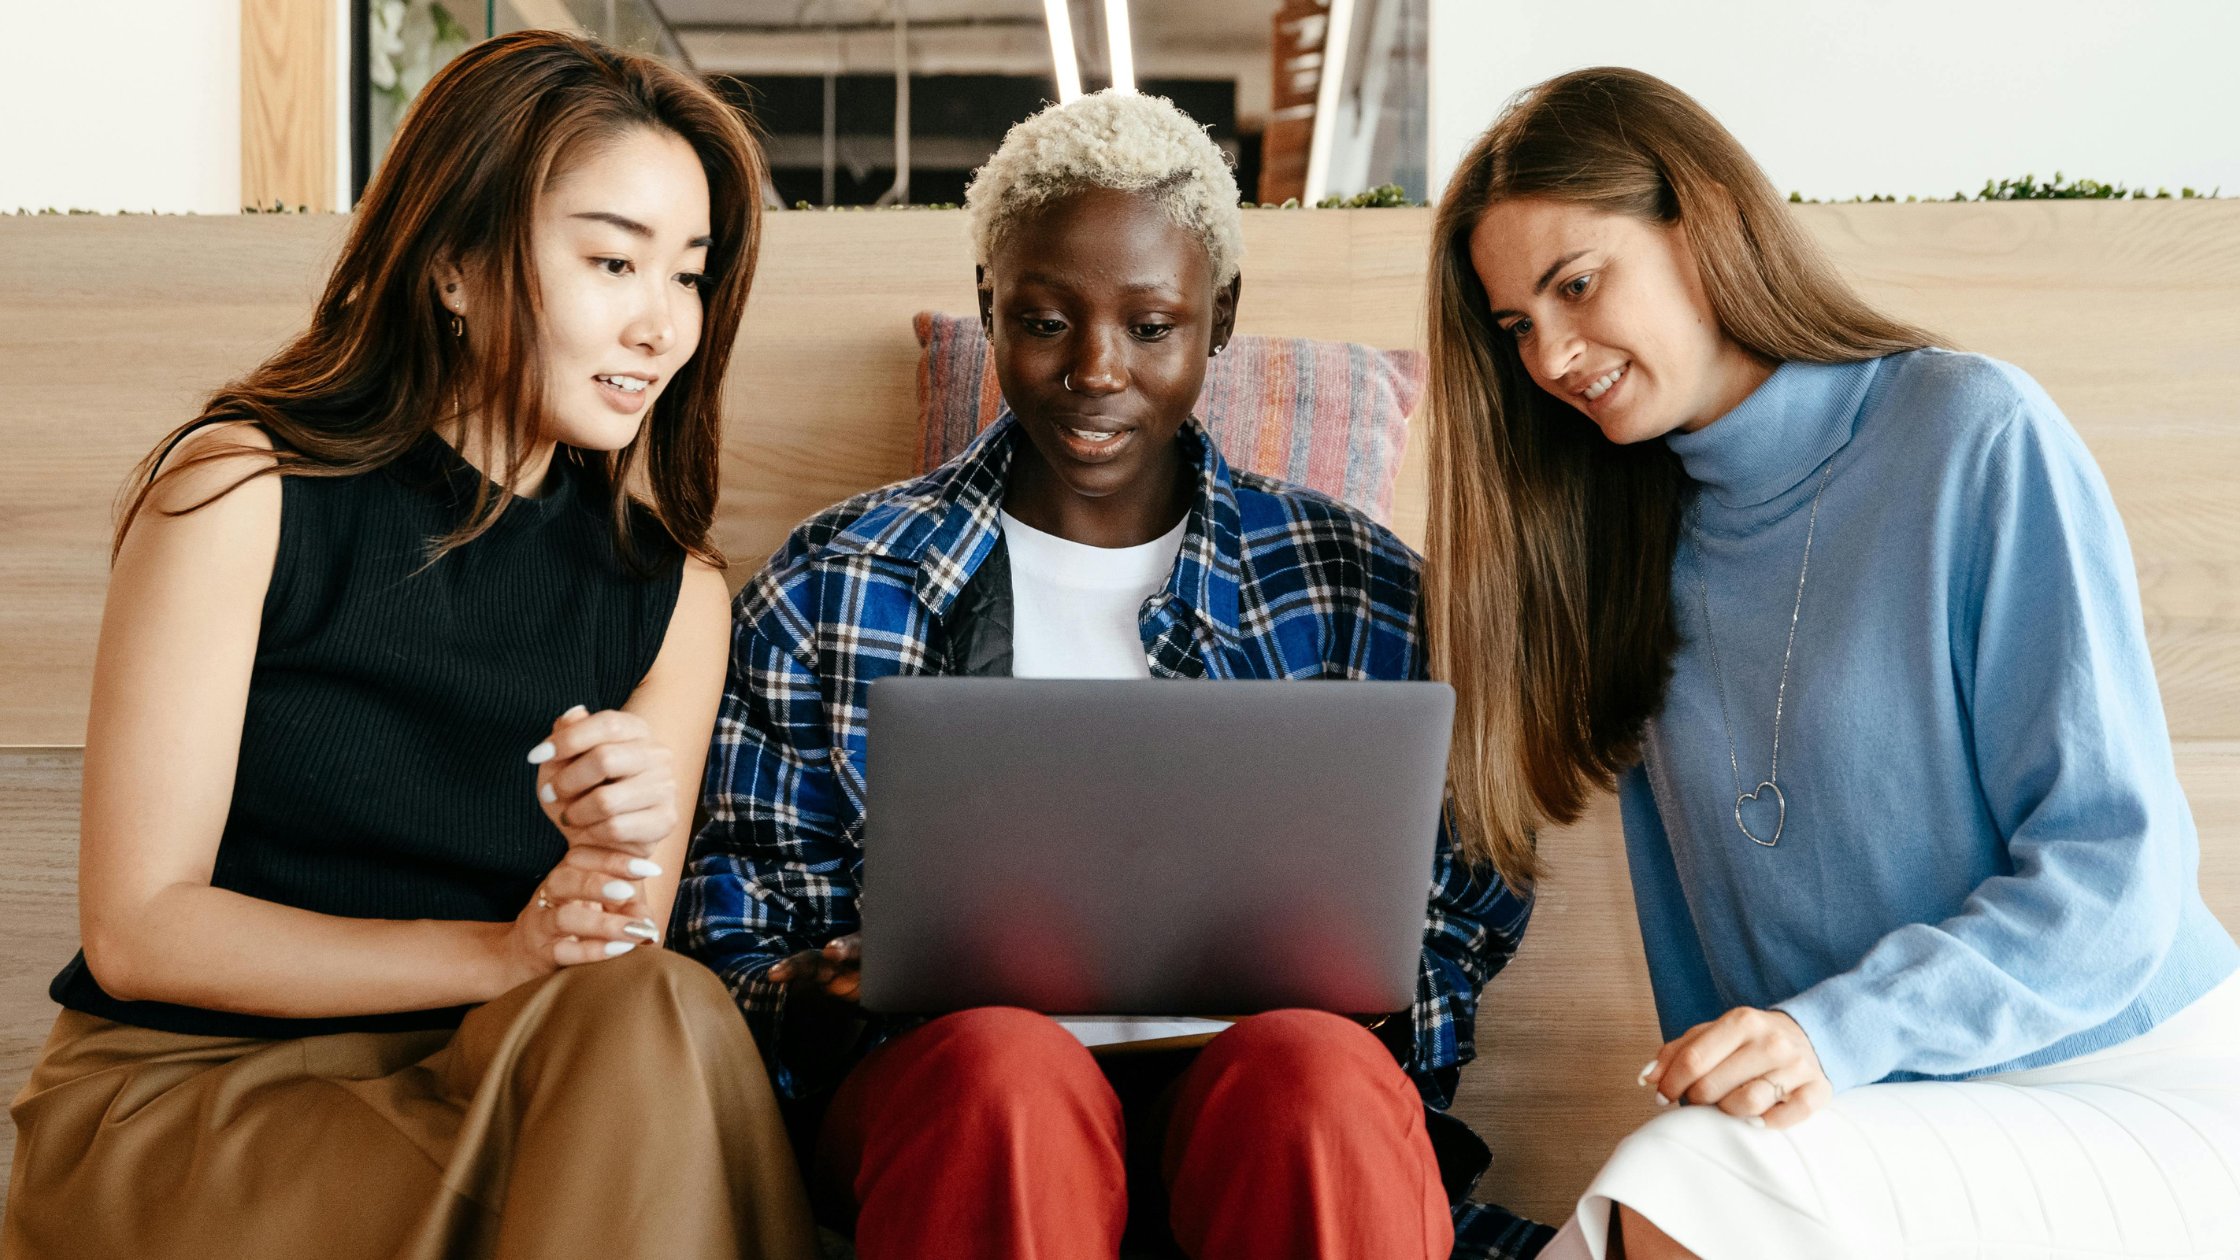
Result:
[{"x": 993, "y": 1133}]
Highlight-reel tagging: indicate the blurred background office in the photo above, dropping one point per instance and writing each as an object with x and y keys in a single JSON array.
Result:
[{"x": 208, "y": 106}]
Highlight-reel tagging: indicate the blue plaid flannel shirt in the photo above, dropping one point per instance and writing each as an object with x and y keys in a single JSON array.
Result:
[{"x": 1273, "y": 581}]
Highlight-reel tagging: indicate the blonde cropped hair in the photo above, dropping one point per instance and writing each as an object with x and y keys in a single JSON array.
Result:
[{"x": 1108, "y": 139}]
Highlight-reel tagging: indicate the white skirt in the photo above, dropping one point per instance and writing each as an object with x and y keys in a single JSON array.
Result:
[{"x": 2132, "y": 1151}]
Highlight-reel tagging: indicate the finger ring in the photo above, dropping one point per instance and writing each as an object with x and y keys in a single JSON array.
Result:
[
  {"x": 1780, "y": 1094},
  {"x": 543, "y": 902}
]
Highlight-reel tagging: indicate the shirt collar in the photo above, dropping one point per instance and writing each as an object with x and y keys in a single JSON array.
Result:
[
  {"x": 946, "y": 524},
  {"x": 1785, "y": 429}
]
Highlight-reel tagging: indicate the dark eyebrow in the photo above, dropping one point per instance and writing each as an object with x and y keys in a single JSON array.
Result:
[
  {"x": 632, "y": 226},
  {"x": 635, "y": 228},
  {"x": 1541, "y": 285}
]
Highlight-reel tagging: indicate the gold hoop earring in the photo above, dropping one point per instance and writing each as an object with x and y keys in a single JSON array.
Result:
[{"x": 458, "y": 325}]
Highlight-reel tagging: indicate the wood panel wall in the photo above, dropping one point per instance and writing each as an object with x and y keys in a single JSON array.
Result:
[
  {"x": 289, "y": 95},
  {"x": 2127, "y": 313}
]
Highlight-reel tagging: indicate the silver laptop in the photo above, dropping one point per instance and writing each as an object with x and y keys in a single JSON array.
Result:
[{"x": 1154, "y": 847}]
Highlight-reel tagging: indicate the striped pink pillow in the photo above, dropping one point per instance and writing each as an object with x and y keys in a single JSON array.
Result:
[{"x": 1328, "y": 415}]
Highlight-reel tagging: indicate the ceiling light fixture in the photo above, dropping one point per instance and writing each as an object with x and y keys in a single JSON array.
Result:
[
  {"x": 1116, "y": 34},
  {"x": 1337, "y": 42},
  {"x": 1061, "y": 50}
]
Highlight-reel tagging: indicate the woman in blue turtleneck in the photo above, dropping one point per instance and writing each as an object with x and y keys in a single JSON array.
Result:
[{"x": 1852, "y": 620}]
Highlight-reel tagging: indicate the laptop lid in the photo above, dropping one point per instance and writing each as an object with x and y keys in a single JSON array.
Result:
[{"x": 1149, "y": 847}]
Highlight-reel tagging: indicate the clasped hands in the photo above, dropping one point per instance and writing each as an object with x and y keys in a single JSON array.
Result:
[
  {"x": 610, "y": 787},
  {"x": 1754, "y": 1065}
]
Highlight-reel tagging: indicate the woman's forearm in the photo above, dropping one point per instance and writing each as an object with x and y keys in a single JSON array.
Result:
[{"x": 194, "y": 945}]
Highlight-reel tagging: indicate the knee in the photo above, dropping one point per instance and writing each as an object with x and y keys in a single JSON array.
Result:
[
  {"x": 1000, "y": 1065},
  {"x": 1693, "y": 1152},
  {"x": 647, "y": 989},
  {"x": 1312, "y": 1060},
  {"x": 1679, "y": 1136},
  {"x": 1001, "y": 1038},
  {"x": 1305, "y": 1101},
  {"x": 647, "y": 974}
]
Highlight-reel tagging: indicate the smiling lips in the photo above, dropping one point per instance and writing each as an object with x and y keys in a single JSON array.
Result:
[
  {"x": 624, "y": 391},
  {"x": 1601, "y": 385},
  {"x": 1092, "y": 444}
]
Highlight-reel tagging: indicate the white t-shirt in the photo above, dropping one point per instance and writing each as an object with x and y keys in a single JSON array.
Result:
[{"x": 1074, "y": 608}]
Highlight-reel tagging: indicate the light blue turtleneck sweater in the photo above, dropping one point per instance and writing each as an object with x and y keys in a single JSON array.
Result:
[{"x": 1987, "y": 862}]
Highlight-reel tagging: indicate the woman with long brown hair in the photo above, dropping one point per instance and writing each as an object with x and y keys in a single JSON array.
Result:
[
  {"x": 1850, "y": 620},
  {"x": 412, "y": 651}
]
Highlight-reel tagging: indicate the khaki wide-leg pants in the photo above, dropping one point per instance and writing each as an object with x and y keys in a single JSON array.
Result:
[{"x": 614, "y": 1110}]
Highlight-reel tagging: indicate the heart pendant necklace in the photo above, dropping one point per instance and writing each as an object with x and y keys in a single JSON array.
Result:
[{"x": 1772, "y": 782}]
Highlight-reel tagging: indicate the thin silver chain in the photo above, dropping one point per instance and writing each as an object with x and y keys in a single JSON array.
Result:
[{"x": 1718, "y": 675}]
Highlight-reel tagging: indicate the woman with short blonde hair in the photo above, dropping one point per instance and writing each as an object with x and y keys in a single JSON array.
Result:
[{"x": 1093, "y": 531}]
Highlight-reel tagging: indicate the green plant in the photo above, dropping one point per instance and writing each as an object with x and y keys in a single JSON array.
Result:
[
  {"x": 1381, "y": 197},
  {"x": 407, "y": 42},
  {"x": 915, "y": 205},
  {"x": 2028, "y": 188}
]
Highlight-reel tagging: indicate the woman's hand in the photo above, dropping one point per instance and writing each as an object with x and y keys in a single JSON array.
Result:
[
  {"x": 836, "y": 971},
  {"x": 589, "y": 909},
  {"x": 606, "y": 781},
  {"x": 1753, "y": 1064}
]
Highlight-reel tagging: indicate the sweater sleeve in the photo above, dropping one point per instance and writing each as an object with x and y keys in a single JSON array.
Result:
[
  {"x": 2072, "y": 758},
  {"x": 1679, "y": 975}
]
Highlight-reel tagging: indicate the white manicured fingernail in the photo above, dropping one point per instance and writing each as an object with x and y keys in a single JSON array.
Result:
[
  {"x": 616, "y": 890},
  {"x": 616, "y": 949},
  {"x": 541, "y": 754},
  {"x": 1646, "y": 1068},
  {"x": 643, "y": 869},
  {"x": 1663, "y": 1101},
  {"x": 1757, "y": 1122},
  {"x": 576, "y": 711},
  {"x": 546, "y": 794},
  {"x": 643, "y": 929}
]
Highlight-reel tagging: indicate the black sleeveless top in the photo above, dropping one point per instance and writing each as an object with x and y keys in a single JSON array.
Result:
[{"x": 393, "y": 703}]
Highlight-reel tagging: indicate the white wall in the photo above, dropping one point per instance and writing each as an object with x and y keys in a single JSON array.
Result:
[
  {"x": 1923, "y": 97},
  {"x": 122, "y": 105}
]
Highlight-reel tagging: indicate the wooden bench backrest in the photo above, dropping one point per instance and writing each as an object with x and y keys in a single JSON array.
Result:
[{"x": 2127, "y": 313}]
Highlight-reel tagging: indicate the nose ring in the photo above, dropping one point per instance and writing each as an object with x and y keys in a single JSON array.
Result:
[{"x": 1069, "y": 384}]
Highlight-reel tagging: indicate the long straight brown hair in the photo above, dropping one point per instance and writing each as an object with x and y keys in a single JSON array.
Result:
[
  {"x": 379, "y": 367},
  {"x": 1549, "y": 548}
]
